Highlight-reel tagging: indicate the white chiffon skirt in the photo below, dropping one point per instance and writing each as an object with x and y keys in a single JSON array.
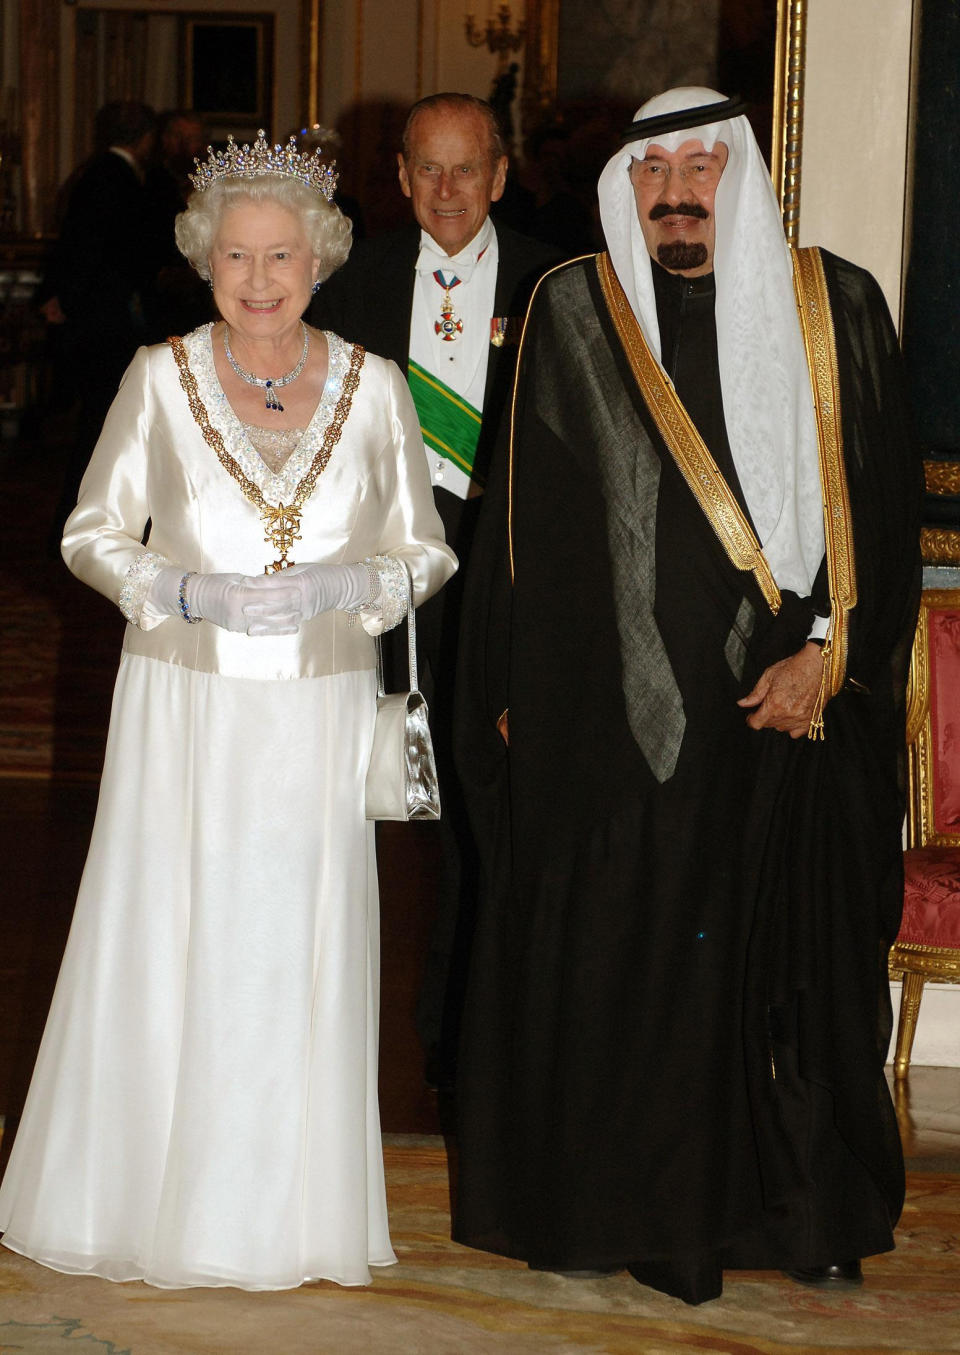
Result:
[{"x": 204, "y": 1105}]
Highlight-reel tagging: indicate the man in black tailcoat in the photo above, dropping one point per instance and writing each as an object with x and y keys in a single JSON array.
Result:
[{"x": 445, "y": 298}]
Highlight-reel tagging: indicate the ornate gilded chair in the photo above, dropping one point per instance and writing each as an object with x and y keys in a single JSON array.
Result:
[{"x": 928, "y": 944}]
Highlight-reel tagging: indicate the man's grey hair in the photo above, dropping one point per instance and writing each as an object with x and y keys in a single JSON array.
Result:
[
  {"x": 456, "y": 103},
  {"x": 327, "y": 230}
]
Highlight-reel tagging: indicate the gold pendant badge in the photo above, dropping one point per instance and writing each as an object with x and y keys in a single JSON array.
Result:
[{"x": 283, "y": 528}]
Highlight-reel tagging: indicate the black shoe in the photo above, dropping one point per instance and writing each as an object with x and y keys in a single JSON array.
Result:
[{"x": 843, "y": 1275}]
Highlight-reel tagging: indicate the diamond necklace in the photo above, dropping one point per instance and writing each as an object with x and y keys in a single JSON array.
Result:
[{"x": 270, "y": 387}]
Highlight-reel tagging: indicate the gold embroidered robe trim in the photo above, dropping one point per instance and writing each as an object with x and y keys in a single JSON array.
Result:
[
  {"x": 685, "y": 444},
  {"x": 819, "y": 341},
  {"x": 282, "y": 520}
]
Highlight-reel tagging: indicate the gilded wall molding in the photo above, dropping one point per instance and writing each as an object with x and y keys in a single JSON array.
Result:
[
  {"x": 421, "y": 34},
  {"x": 39, "y": 114},
  {"x": 311, "y": 22},
  {"x": 787, "y": 143},
  {"x": 540, "y": 68},
  {"x": 358, "y": 52},
  {"x": 940, "y": 546},
  {"x": 942, "y": 477}
]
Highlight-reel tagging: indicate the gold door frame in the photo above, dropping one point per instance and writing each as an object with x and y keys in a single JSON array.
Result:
[
  {"x": 540, "y": 90},
  {"x": 311, "y": 93},
  {"x": 541, "y": 54}
]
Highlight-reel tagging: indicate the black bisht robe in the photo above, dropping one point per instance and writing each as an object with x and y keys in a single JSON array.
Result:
[{"x": 678, "y": 1008}]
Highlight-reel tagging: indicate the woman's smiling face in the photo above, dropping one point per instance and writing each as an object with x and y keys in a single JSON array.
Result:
[{"x": 262, "y": 270}]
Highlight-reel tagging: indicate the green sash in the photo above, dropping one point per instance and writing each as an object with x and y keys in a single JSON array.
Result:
[{"x": 449, "y": 425}]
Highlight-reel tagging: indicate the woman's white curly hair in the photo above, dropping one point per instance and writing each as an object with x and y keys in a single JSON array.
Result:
[{"x": 327, "y": 230}]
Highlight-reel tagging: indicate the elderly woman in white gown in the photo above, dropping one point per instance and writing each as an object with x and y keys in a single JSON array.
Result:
[{"x": 204, "y": 1106}]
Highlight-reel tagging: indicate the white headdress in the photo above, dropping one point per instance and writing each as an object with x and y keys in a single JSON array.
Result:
[{"x": 767, "y": 404}]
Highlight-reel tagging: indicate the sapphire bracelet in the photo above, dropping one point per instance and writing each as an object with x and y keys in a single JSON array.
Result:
[{"x": 182, "y": 599}]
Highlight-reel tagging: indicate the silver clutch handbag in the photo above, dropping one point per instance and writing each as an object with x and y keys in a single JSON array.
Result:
[{"x": 402, "y": 776}]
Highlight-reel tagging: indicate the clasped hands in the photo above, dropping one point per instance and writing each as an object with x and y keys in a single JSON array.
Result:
[
  {"x": 259, "y": 605},
  {"x": 786, "y": 693},
  {"x": 275, "y": 604},
  {"x": 264, "y": 604}
]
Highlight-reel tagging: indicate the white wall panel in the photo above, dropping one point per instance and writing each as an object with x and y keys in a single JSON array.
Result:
[{"x": 856, "y": 109}]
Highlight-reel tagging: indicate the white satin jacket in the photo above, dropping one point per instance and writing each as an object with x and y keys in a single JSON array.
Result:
[{"x": 153, "y": 463}]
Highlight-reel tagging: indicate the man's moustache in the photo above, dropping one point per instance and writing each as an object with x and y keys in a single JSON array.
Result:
[{"x": 681, "y": 209}]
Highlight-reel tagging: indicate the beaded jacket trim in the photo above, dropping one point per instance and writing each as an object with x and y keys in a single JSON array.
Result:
[
  {"x": 391, "y": 600},
  {"x": 279, "y": 487},
  {"x": 137, "y": 582}
]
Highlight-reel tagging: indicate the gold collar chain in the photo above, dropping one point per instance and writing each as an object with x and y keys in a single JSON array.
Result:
[{"x": 282, "y": 520}]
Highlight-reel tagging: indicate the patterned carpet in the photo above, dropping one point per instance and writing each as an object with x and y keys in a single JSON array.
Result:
[{"x": 445, "y": 1300}]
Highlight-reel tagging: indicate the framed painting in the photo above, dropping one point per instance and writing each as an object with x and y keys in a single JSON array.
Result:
[{"x": 227, "y": 71}]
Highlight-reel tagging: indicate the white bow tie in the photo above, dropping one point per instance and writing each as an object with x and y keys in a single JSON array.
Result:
[{"x": 431, "y": 260}]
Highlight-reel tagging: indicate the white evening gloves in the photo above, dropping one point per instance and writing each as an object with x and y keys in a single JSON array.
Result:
[
  {"x": 268, "y": 604},
  {"x": 321, "y": 588}
]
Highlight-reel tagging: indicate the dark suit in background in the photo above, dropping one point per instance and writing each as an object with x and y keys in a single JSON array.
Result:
[{"x": 102, "y": 269}]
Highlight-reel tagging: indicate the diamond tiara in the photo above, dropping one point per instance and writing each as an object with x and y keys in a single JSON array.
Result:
[{"x": 251, "y": 162}]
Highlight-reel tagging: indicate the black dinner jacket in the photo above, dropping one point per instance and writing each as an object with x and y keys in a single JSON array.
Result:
[
  {"x": 370, "y": 299},
  {"x": 102, "y": 267}
]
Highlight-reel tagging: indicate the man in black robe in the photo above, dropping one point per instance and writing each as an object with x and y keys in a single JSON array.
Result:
[{"x": 687, "y": 631}]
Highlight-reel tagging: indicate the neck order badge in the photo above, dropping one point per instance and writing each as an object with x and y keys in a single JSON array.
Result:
[{"x": 450, "y": 326}]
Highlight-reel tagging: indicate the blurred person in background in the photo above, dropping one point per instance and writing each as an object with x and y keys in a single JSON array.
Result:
[{"x": 101, "y": 273}]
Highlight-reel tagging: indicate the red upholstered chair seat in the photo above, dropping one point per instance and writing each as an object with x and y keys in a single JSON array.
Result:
[
  {"x": 931, "y": 903},
  {"x": 928, "y": 946}
]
